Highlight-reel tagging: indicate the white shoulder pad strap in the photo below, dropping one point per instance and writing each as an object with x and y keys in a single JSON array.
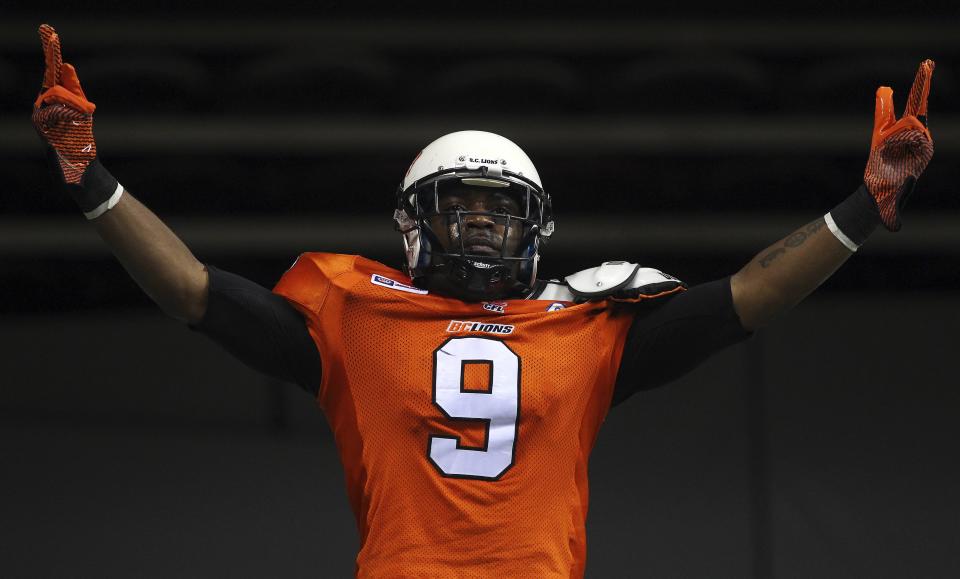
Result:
[{"x": 616, "y": 277}]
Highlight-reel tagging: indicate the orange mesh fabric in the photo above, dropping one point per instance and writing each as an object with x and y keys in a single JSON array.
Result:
[
  {"x": 70, "y": 133},
  {"x": 900, "y": 150},
  {"x": 382, "y": 348},
  {"x": 53, "y": 61}
]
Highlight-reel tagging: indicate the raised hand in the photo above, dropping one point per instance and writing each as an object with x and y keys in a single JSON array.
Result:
[
  {"x": 900, "y": 149},
  {"x": 63, "y": 117}
]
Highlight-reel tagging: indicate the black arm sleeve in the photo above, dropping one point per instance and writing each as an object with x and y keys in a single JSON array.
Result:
[
  {"x": 261, "y": 329},
  {"x": 670, "y": 339}
]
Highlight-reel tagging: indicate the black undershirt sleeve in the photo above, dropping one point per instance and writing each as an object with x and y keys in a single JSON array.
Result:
[
  {"x": 261, "y": 329},
  {"x": 667, "y": 340}
]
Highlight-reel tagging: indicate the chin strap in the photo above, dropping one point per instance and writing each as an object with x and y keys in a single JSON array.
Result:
[{"x": 471, "y": 280}]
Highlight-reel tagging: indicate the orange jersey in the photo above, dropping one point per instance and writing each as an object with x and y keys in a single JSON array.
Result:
[{"x": 464, "y": 428}]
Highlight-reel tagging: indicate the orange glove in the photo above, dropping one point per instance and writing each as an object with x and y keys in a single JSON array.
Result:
[
  {"x": 62, "y": 114},
  {"x": 63, "y": 117},
  {"x": 900, "y": 150}
]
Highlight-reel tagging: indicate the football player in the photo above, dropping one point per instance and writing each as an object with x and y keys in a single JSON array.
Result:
[{"x": 465, "y": 450}]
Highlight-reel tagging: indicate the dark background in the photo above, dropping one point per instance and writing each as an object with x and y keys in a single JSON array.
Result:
[{"x": 687, "y": 139}]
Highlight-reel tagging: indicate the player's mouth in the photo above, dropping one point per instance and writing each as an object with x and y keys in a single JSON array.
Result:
[{"x": 481, "y": 247}]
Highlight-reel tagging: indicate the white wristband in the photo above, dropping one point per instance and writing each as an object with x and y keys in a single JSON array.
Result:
[
  {"x": 832, "y": 226},
  {"x": 106, "y": 205}
]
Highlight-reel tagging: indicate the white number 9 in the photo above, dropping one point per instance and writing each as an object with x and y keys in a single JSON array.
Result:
[{"x": 499, "y": 407}]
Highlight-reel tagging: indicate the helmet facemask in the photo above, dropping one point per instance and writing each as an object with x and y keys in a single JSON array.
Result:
[{"x": 473, "y": 255}]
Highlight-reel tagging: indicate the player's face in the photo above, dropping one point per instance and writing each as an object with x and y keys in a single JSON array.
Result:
[{"x": 482, "y": 234}]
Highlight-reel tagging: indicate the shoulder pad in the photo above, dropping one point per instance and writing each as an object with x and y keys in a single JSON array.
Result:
[{"x": 620, "y": 279}]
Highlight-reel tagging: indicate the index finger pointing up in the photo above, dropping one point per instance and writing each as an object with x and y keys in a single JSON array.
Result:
[
  {"x": 917, "y": 102},
  {"x": 51, "y": 55}
]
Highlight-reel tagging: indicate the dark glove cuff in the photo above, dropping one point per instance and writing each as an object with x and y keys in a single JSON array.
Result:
[
  {"x": 856, "y": 217},
  {"x": 96, "y": 187}
]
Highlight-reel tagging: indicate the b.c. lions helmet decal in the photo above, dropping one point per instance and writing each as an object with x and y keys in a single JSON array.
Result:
[{"x": 471, "y": 150}]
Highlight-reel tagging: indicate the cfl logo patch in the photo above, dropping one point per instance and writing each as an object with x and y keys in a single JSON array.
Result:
[
  {"x": 498, "y": 307},
  {"x": 457, "y": 326}
]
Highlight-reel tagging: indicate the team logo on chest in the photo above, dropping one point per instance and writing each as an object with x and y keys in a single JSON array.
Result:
[
  {"x": 458, "y": 326},
  {"x": 498, "y": 307}
]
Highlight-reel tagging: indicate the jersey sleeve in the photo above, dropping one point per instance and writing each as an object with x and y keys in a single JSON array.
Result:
[
  {"x": 306, "y": 284},
  {"x": 259, "y": 328},
  {"x": 672, "y": 336}
]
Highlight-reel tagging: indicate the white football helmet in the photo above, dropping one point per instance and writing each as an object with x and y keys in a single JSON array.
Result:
[{"x": 477, "y": 159}]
